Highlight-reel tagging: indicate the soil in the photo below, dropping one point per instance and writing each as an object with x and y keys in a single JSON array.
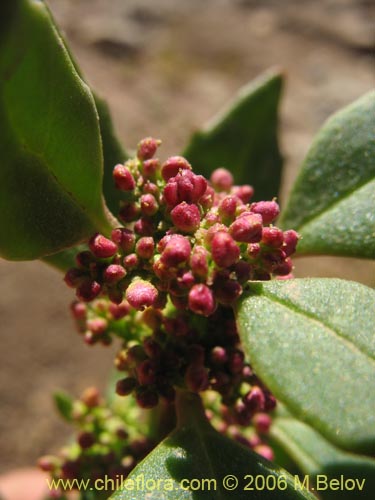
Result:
[{"x": 165, "y": 67}]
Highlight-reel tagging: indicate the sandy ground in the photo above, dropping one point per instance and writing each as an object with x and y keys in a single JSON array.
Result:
[{"x": 165, "y": 67}]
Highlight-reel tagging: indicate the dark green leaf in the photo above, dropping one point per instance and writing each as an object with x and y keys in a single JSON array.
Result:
[
  {"x": 316, "y": 456},
  {"x": 332, "y": 203},
  {"x": 312, "y": 342},
  {"x": 195, "y": 451},
  {"x": 51, "y": 154},
  {"x": 64, "y": 405},
  {"x": 243, "y": 138}
]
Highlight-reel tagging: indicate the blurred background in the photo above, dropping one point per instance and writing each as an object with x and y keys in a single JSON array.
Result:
[{"x": 165, "y": 67}]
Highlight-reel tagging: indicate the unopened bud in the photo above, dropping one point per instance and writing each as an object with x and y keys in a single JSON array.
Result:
[
  {"x": 123, "y": 178},
  {"x": 146, "y": 398},
  {"x": 176, "y": 251},
  {"x": 244, "y": 193},
  {"x": 247, "y": 228},
  {"x": 102, "y": 247},
  {"x": 186, "y": 217},
  {"x": 272, "y": 237},
  {"x": 126, "y": 386},
  {"x": 141, "y": 294},
  {"x": 291, "y": 238},
  {"x": 149, "y": 205},
  {"x": 173, "y": 165},
  {"x": 269, "y": 210},
  {"x": 147, "y": 148},
  {"x": 199, "y": 262},
  {"x": 221, "y": 179},
  {"x": 88, "y": 291},
  {"x": 201, "y": 300},
  {"x": 224, "y": 249},
  {"x": 114, "y": 273}
]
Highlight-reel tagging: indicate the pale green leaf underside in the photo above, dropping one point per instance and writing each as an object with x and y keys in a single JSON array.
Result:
[
  {"x": 312, "y": 342},
  {"x": 332, "y": 203},
  {"x": 315, "y": 455}
]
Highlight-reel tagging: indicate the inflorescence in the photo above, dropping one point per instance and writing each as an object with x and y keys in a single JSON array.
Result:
[{"x": 165, "y": 282}]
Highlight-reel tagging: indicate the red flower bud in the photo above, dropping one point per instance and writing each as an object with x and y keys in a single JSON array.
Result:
[
  {"x": 207, "y": 200},
  {"x": 144, "y": 227},
  {"x": 102, "y": 247},
  {"x": 74, "y": 277},
  {"x": 97, "y": 326},
  {"x": 145, "y": 247},
  {"x": 253, "y": 250},
  {"x": 247, "y": 228},
  {"x": 228, "y": 207},
  {"x": 269, "y": 210},
  {"x": 201, "y": 300},
  {"x": 131, "y": 261},
  {"x": 173, "y": 165},
  {"x": 176, "y": 251},
  {"x": 265, "y": 451},
  {"x": 79, "y": 310},
  {"x": 124, "y": 238},
  {"x": 284, "y": 269},
  {"x": 84, "y": 259},
  {"x": 123, "y": 178},
  {"x": 147, "y": 148},
  {"x": 119, "y": 311},
  {"x": 291, "y": 238},
  {"x": 185, "y": 186},
  {"x": 272, "y": 237},
  {"x": 88, "y": 291},
  {"x": 129, "y": 211},
  {"x": 114, "y": 273},
  {"x": 227, "y": 291},
  {"x": 186, "y": 217},
  {"x": 126, "y": 386},
  {"x": 218, "y": 356},
  {"x": 255, "y": 399},
  {"x": 86, "y": 440},
  {"x": 149, "y": 205},
  {"x": 196, "y": 378},
  {"x": 224, "y": 249},
  {"x": 146, "y": 398},
  {"x": 221, "y": 179},
  {"x": 199, "y": 262},
  {"x": 141, "y": 294},
  {"x": 146, "y": 372},
  {"x": 262, "y": 423}
]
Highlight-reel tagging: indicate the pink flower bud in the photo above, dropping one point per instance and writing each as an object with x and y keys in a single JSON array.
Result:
[
  {"x": 144, "y": 227},
  {"x": 114, "y": 273},
  {"x": 201, "y": 300},
  {"x": 88, "y": 291},
  {"x": 272, "y": 237},
  {"x": 145, "y": 247},
  {"x": 218, "y": 355},
  {"x": 147, "y": 148},
  {"x": 253, "y": 250},
  {"x": 228, "y": 207},
  {"x": 149, "y": 205},
  {"x": 199, "y": 261},
  {"x": 284, "y": 268},
  {"x": 207, "y": 200},
  {"x": 291, "y": 238},
  {"x": 129, "y": 212},
  {"x": 221, "y": 179},
  {"x": 244, "y": 193},
  {"x": 236, "y": 361},
  {"x": 97, "y": 326},
  {"x": 173, "y": 165},
  {"x": 186, "y": 217},
  {"x": 79, "y": 311},
  {"x": 85, "y": 259},
  {"x": 124, "y": 238},
  {"x": 126, "y": 386},
  {"x": 150, "y": 168},
  {"x": 269, "y": 210},
  {"x": 102, "y": 247},
  {"x": 227, "y": 291},
  {"x": 141, "y": 294},
  {"x": 150, "y": 188},
  {"x": 131, "y": 261},
  {"x": 273, "y": 259},
  {"x": 243, "y": 270},
  {"x": 176, "y": 251},
  {"x": 86, "y": 439},
  {"x": 123, "y": 178},
  {"x": 247, "y": 228},
  {"x": 262, "y": 423},
  {"x": 224, "y": 249},
  {"x": 74, "y": 277},
  {"x": 119, "y": 311},
  {"x": 115, "y": 295},
  {"x": 255, "y": 399},
  {"x": 185, "y": 186}
]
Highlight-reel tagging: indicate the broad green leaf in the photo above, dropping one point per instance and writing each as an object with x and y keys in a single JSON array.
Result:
[
  {"x": 332, "y": 203},
  {"x": 317, "y": 457},
  {"x": 64, "y": 405},
  {"x": 312, "y": 342},
  {"x": 196, "y": 452},
  {"x": 64, "y": 260},
  {"x": 243, "y": 138},
  {"x": 50, "y": 146}
]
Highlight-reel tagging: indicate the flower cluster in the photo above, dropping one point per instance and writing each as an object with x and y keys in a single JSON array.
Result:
[
  {"x": 186, "y": 239},
  {"x": 102, "y": 448},
  {"x": 165, "y": 282}
]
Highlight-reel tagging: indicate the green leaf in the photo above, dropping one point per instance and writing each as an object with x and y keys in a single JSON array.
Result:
[
  {"x": 196, "y": 452},
  {"x": 243, "y": 138},
  {"x": 312, "y": 342},
  {"x": 316, "y": 456},
  {"x": 64, "y": 405},
  {"x": 50, "y": 146},
  {"x": 332, "y": 203}
]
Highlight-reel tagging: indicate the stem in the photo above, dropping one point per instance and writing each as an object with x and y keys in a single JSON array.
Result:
[
  {"x": 189, "y": 408},
  {"x": 162, "y": 421}
]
